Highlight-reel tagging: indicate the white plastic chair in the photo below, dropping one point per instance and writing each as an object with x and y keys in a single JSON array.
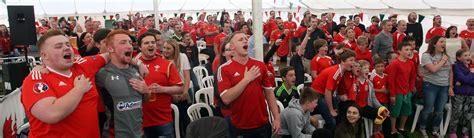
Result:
[
  {"x": 277, "y": 81},
  {"x": 208, "y": 95},
  {"x": 443, "y": 126},
  {"x": 200, "y": 45},
  {"x": 207, "y": 82},
  {"x": 369, "y": 127},
  {"x": 280, "y": 105},
  {"x": 308, "y": 78},
  {"x": 200, "y": 72},
  {"x": 176, "y": 120},
  {"x": 194, "y": 110},
  {"x": 299, "y": 88},
  {"x": 472, "y": 126}
]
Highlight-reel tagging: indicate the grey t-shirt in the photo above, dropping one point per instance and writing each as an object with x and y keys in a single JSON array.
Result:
[
  {"x": 441, "y": 77},
  {"x": 123, "y": 103}
]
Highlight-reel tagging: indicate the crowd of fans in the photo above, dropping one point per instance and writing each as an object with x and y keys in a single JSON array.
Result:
[{"x": 356, "y": 71}]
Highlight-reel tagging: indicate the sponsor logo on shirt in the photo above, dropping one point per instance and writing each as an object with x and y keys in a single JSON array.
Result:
[
  {"x": 125, "y": 106},
  {"x": 61, "y": 83},
  {"x": 236, "y": 74},
  {"x": 114, "y": 77},
  {"x": 40, "y": 87}
]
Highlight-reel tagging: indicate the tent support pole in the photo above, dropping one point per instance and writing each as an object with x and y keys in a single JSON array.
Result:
[
  {"x": 156, "y": 4},
  {"x": 257, "y": 28}
]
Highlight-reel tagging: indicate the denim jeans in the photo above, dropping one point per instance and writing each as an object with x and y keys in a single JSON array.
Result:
[
  {"x": 163, "y": 131},
  {"x": 324, "y": 110},
  {"x": 264, "y": 131},
  {"x": 434, "y": 96}
]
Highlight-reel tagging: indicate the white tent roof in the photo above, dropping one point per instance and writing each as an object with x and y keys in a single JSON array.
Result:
[{"x": 108, "y": 7}]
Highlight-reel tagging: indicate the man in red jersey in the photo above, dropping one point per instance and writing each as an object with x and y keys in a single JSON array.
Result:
[
  {"x": 468, "y": 34},
  {"x": 397, "y": 36},
  {"x": 436, "y": 30},
  {"x": 358, "y": 32},
  {"x": 290, "y": 24},
  {"x": 270, "y": 25},
  {"x": 163, "y": 81},
  {"x": 219, "y": 39},
  {"x": 148, "y": 24},
  {"x": 63, "y": 103},
  {"x": 244, "y": 84},
  {"x": 200, "y": 25},
  {"x": 326, "y": 83},
  {"x": 211, "y": 30}
]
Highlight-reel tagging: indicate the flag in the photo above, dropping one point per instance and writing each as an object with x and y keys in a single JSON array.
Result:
[
  {"x": 351, "y": 17},
  {"x": 77, "y": 17},
  {"x": 381, "y": 16},
  {"x": 197, "y": 14},
  {"x": 420, "y": 18},
  {"x": 299, "y": 8},
  {"x": 85, "y": 17},
  {"x": 279, "y": 13},
  {"x": 291, "y": 5},
  {"x": 266, "y": 13},
  {"x": 294, "y": 14},
  {"x": 361, "y": 15},
  {"x": 104, "y": 17},
  {"x": 111, "y": 17},
  {"x": 175, "y": 14}
]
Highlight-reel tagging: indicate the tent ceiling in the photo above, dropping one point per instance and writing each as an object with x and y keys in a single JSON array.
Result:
[{"x": 107, "y": 7}]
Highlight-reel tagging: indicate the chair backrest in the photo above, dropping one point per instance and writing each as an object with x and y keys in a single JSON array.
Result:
[
  {"x": 201, "y": 45},
  {"x": 207, "y": 94},
  {"x": 208, "y": 127},
  {"x": 280, "y": 105},
  {"x": 308, "y": 78},
  {"x": 207, "y": 82},
  {"x": 194, "y": 110},
  {"x": 200, "y": 73},
  {"x": 176, "y": 120},
  {"x": 299, "y": 88},
  {"x": 278, "y": 81}
]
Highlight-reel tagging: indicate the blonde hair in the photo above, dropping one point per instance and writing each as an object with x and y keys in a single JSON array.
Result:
[{"x": 175, "y": 57}]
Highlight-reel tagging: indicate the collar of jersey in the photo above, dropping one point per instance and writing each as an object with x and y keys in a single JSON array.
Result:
[{"x": 54, "y": 71}]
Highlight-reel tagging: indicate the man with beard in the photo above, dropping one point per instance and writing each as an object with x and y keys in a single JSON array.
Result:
[
  {"x": 436, "y": 30},
  {"x": 148, "y": 23},
  {"x": 393, "y": 19},
  {"x": 357, "y": 23},
  {"x": 211, "y": 30},
  {"x": 163, "y": 81},
  {"x": 123, "y": 88},
  {"x": 282, "y": 51},
  {"x": 415, "y": 29},
  {"x": 397, "y": 37},
  {"x": 270, "y": 25},
  {"x": 65, "y": 99},
  {"x": 315, "y": 34}
]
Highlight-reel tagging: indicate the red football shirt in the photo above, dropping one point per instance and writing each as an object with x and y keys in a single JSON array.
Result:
[
  {"x": 358, "y": 32},
  {"x": 364, "y": 55},
  {"x": 351, "y": 45},
  {"x": 320, "y": 63},
  {"x": 269, "y": 27},
  {"x": 218, "y": 40},
  {"x": 435, "y": 31},
  {"x": 142, "y": 30},
  {"x": 249, "y": 110},
  {"x": 467, "y": 34},
  {"x": 339, "y": 38},
  {"x": 83, "y": 121},
  {"x": 380, "y": 82},
  {"x": 271, "y": 72},
  {"x": 347, "y": 86},
  {"x": 405, "y": 80},
  {"x": 300, "y": 31},
  {"x": 210, "y": 38},
  {"x": 157, "y": 110},
  {"x": 362, "y": 92},
  {"x": 328, "y": 79},
  {"x": 416, "y": 61},
  {"x": 374, "y": 30},
  {"x": 192, "y": 30},
  {"x": 200, "y": 27},
  {"x": 289, "y": 25},
  {"x": 397, "y": 38}
]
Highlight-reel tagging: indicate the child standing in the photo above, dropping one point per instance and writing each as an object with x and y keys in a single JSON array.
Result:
[
  {"x": 463, "y": 83},
  {"x": 366, "y": 99},
  {"x": 399, "y": 87},
  {"x": 287, "y": 90},
  {"x": 379, "y": 78},
  {"x": 362, "y": 52},
  {"x": 321, "y": 61}
]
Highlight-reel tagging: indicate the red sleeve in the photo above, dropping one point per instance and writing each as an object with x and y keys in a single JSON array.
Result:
[
  {"x": 173, "y": 76},
  {"x": 391, "y": 80},
  {"x": 34, "y": 90},
  {"x": 314, "y": 64},
  {"x": 428, "y": 34},
  {"x": 272, "y": 36},
  {"x": 223, "y": 79},
  {"x": 331, "y": 83},
  {"x": 215, "y": 63},
  {"x": 91, "y": 63},
  {"x": 266, "y": 77}
]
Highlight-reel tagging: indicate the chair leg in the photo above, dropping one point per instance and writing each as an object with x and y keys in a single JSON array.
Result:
[
  {"x": 417, "y": 115},
  {"x": 448, "y": 118},
  {"x": 366, "y": 125}
]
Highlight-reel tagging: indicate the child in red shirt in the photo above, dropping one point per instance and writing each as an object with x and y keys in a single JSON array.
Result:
[
  {"x": 362, "y": 53},
  {"x": 320, "y": 61},
  {"x": 401, "y": 87},
  {"x": 366, "y": 99}
]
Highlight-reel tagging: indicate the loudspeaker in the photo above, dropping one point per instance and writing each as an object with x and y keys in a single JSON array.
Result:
[
  {"x": 13, "y": 75},
  {"x": 22, "y": 25}
]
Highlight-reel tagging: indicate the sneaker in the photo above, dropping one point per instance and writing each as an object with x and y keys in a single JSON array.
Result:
[
  {"x": 403, "y": 132},
  {"x": 436, "y": 134},
  {"x": 423, "y": 133},
  {"x": 394, "y": 134}
]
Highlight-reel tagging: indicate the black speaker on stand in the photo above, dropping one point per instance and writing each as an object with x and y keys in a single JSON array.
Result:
[{"x": 23, "y": 34}]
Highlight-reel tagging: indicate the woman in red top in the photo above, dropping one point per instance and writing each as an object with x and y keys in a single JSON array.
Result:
[
  {"x": 5, "y": 41},
  {"x": 350, "y": 39}
]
